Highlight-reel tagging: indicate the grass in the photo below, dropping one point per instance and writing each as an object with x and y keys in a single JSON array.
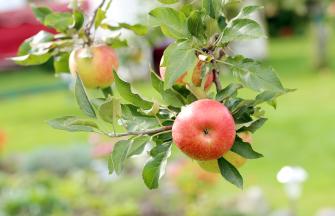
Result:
[
  {"x": 24, "y": 118},
  {"x": 300, "y": 132}
]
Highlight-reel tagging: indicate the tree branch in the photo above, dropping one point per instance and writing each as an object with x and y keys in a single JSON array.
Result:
[
  {"x": 217, "y": 80},
  {"x": 91, "y": 22},
  {"x": 145, "y": 132}
]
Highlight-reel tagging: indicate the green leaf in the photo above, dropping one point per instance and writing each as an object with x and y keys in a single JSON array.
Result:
[
  {"x": 101, "y": 15},
  {"x": 178, "y": 58},
  {"x": 170, "y": 97},
  {"x": 267, "y": 96},
  {"x": 32, "y": 59},
  {"x": 159, "y": 149},
  {"x": 244, "y": 149},
  {"x": 83, "y": 100},
  {"x": 108, "y": 91},
  {"x": 243, "y": 115},
  {"x": 133, "y": 120},
  {"x": 138, "y": 145},
  {"x": 160, "y": 139},
  {"x": 212, "y": 27},
  {"x": 137, "y": 28},
  {"x": 212, "y": 7},
  {"x": 255, "y": 75},
  {"x": 116, "y": 42},
  {"x": 254, "y": 125},
  {"x": 173, "y": 23},
  {"x": 119, "y": 155},
  {"x": 78, "y": 20},
  {"x": 195, "y": 24},
  {"x": 61, "y": 63},
  {"x": 38, "y": 44},
  {"x": 230, "y": 173},
  {"x": 110, "y": 165},
  {"x": 242, "y": 29},
  {"x": 126, "y": 93},
  {"x": 187, "y": 9},
  {"x": 168, "y": 1},
  {"x": 25, "y": 47},
  {"x": 222, "y": 22},
  {"x": 154, "y": 169},
  {"x": 41, "y": 12},
  {"x": 229, "y": 91},
  {"x": 73, "y": 124},
  {"x": 246, "y": 11},
  {"x": 153, "y": 111},
  {"x": 110, "y": 110},
  {"x": 59, "y": 21}
]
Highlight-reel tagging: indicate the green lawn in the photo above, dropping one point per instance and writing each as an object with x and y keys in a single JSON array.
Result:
[
  {"x": 300, "y": 132},
  {"x": 24, "y": 118}
]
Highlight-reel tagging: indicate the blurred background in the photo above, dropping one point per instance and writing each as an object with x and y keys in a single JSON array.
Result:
[{"x": 48, "y": 172}]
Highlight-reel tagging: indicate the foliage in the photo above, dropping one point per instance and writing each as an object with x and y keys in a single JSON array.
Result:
[{"x": 202, "y": 34}]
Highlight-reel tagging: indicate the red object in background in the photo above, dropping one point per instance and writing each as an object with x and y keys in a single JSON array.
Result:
[
  {"x": 3, "y": 139},
  {"x": 18, "y": 25},
  {"x": 286, "y": 31}
]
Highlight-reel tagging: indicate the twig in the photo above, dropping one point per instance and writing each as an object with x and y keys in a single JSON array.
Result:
[
  {"x": 91, "y": 22},
  {"x": 217, "y": 80},
  {"x": 145, "y": 132}
]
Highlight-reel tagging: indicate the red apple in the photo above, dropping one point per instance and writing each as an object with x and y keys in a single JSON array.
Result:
[
  {"x": 196, "y": 76},
  {"x": 233, "y": 158},
  {"x": 204, "y": 130},
  {"x": 94, "y": 65}
]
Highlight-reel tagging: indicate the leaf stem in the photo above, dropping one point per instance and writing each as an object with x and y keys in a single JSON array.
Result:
[
  {"x": 226, "y": 63},
  {"x": 144, "y": 132},
  {"x": 91, "y": 22}
]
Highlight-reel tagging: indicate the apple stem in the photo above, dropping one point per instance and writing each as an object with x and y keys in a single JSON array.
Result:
[
  {"x": 144, "y": 132},
  {"x": 206, "y": 131},
  {"x": 91, "y": 22}
]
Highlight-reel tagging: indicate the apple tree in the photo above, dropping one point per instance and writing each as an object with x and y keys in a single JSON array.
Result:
[{"x": 193, "y": 67}]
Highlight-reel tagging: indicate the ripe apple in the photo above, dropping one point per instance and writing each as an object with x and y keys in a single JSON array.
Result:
[
  {"x": 233, "y": 158},
  {"x": 204, "y": 130},
  {"x": 196, "y": 76},
  {"x": 94, "y": 65}
]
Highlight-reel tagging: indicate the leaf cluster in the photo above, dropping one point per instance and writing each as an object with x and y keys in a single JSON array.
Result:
[
  {"x": 71, "y": 34},
  {"x": 200, "y": 35}
]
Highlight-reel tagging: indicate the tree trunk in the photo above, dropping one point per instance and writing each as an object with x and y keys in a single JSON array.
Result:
[{"x": 318, "y": 12}]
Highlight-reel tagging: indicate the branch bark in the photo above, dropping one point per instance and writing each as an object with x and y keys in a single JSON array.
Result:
[
  {"x": 91, "y": 22},
  {"x": 217, "y": 80},
  {"x": 145, "y": 132}
]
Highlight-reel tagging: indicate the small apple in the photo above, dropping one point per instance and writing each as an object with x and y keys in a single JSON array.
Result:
[
  {"x": 204, "y": 130},
  {"x": 94, "y": 65},
  {"x": 196, "y": 76},
  {"x": 235, "y": 159}
]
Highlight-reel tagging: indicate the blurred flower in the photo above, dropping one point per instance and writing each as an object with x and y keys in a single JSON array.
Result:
[
  {"x": 102, "y": 150},
  {"x": 331, "y": 9},
  {"x": 102, "y": 146},
  {"x": 291, "y": 175},
  {"x": 292, "y": 179}
]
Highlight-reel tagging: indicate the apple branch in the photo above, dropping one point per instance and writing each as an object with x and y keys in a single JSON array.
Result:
[
  {"x": 144, "y": 132},
  {"x": 91, "y": 22},
  {"x": 217, "y": 81}
]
